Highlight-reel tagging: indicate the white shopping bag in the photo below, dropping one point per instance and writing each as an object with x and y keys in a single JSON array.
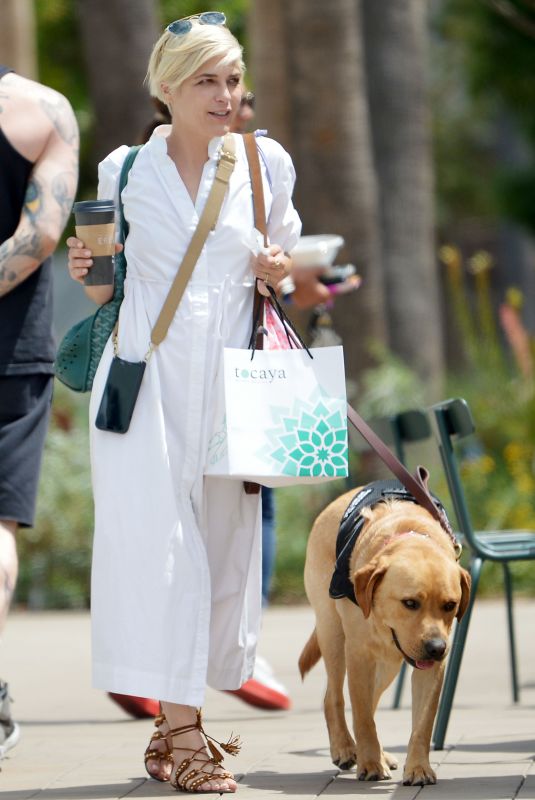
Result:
[{"x": 282, "y": 417}]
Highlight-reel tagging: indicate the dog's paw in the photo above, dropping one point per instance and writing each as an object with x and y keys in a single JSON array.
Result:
[
  {"x": 373, "y": 771},
  {"x": 345, "y": 757},
  {"x": 419, "y": 775},
  {"x": 390, "y": 760}
]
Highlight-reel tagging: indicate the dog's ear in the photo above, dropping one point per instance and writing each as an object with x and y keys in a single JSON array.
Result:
[
  {"x": 366, "y": 580},
  {"x": 466, "y": 582}
]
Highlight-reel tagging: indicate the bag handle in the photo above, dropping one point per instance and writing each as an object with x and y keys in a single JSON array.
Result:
[{"x": 259, "y": 209}]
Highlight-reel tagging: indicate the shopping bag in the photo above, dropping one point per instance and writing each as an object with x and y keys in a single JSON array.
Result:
[{"x": 281, "y": 417}]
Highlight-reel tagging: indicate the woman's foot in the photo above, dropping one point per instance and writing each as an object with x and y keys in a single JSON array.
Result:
[
  {"x": 196, "y": 761},
  {"x": 158, "y": 758}
]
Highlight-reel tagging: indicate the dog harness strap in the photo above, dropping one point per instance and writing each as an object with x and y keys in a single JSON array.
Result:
[{"x": 351, "y": 526}]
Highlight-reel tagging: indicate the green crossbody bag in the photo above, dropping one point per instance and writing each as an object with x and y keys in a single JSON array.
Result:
[{"x": 81, "y": 348}]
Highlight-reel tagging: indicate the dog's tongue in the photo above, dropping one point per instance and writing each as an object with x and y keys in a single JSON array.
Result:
[{"x": 424, "y": 664}]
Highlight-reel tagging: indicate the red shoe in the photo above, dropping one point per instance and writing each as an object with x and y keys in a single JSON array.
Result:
[
  {"x": 256, "y": 694},
  {"x": 263, "y": 690},
  {"x": 138, "y": 707}
]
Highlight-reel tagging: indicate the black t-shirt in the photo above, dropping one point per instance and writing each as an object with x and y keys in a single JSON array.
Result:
[{"x": 26, "y": 342}]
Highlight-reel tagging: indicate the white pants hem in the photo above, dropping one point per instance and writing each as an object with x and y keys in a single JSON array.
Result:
[{"x": 131, "y": 682}]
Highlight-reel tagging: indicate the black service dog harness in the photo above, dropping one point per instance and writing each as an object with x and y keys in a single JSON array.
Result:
[{"x": 352, "y": 524}]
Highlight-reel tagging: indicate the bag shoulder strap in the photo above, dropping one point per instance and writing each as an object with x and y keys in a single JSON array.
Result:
[
  {"x": 206, "y": 223},
  {"x": 253, "y": 159},
  {"x": 120, "y": 262},
  {"x": 123, "y": 180},
  {"x": 260, "y": 222}
]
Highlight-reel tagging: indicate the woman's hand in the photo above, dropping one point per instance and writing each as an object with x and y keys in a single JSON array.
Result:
[
  {"x": 271, "y": 268},
  {"x": 80, "y": 261}
]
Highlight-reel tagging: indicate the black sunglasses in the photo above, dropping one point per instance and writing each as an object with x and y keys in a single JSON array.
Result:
[{"x": 182, "y": 26}]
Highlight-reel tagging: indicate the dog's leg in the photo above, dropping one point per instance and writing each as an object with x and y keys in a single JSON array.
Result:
[
  {"x": 426, "y": 686},
  {"x": 331, "y": 641},
  {"x": 385, "y": 674},
  {"x": 363, "y": 690}
]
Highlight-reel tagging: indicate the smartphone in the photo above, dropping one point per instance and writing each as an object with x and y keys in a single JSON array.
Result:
[{"x": 337, "y": 274}]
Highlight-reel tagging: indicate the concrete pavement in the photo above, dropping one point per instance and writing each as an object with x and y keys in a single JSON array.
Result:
[{"x": 77, "y": 745}]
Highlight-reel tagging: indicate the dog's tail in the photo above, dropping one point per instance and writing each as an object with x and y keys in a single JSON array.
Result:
[{"x": 310, "y": 656}]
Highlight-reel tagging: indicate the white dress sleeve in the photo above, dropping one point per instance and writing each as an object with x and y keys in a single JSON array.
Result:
[{"x": 283, "y": 223}]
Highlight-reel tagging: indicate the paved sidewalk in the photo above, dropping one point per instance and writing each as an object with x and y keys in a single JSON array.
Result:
[{"x": 77, "y": 745}]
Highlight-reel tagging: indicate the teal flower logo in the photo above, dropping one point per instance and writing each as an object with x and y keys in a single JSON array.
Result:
[{"x": 308, "y": 440}]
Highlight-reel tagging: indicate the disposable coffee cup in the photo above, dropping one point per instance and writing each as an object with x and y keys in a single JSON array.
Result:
[{"x": 95, "y": 226}]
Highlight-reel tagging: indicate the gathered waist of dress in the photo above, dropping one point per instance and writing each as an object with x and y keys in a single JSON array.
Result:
[{"x": 194, "y": 282}]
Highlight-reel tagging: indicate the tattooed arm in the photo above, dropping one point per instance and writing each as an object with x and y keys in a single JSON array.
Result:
[{"x": 40, "y": 124}]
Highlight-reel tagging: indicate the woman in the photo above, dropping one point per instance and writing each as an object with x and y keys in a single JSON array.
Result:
[{"x": 176, "y": 598}]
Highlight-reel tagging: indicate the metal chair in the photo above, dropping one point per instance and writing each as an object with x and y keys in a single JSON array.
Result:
[
  {"x": 454, "y": 422},
  {"x": 406, "y": 427}
]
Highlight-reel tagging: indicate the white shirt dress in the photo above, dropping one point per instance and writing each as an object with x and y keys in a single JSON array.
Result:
[{"x": 176, "y": 578}]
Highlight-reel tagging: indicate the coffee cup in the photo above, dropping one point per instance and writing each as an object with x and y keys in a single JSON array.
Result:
[{"x": 95, "y": 226}]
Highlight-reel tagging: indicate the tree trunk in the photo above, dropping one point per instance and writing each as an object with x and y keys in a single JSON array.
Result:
[
  {"x": 118, "y": 36},
  {"x": 268, "y": 65},
  {"x": 17, "y": 37},
  {"x": 396, "y": 68},
  {"x": 329, "y": 139}
]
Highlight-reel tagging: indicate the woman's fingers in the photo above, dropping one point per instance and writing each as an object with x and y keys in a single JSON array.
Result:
[
  {"x": 79, "y": 260},
  {"x": 273, "y": 266}
]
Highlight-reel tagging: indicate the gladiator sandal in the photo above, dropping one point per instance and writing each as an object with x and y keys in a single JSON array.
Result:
[
  {"x": 187, "y": 779},
  {"x": 162, "y": 755}
]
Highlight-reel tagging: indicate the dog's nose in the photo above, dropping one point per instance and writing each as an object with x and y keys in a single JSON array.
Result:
[{"x": 435, "y": 648}]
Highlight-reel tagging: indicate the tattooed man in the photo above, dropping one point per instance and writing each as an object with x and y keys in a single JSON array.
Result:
[{"x": 38, "y": 178}]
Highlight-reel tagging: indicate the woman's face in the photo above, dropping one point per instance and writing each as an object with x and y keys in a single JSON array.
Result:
[{"x": 206, "y": 103}]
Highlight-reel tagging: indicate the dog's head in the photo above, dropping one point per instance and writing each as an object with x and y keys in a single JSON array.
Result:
[{"x": 414, "y": 589}]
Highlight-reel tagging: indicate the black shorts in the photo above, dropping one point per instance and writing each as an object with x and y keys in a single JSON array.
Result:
[{"x": 25, "y": 402}]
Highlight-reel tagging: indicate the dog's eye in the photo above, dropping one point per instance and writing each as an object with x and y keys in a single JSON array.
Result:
[
  {"x": 412, "y": 604},
  {"x": 450, "y": 606}
]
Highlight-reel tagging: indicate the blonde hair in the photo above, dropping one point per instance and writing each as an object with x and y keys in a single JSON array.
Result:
[{"x": 175, "y": 58}]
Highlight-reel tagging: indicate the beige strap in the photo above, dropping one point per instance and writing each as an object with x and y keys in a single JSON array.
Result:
[
  {"x": 251, "y": 150},
  {"x": 206, "y": 223},
  {"x": 259, "y": 207}
]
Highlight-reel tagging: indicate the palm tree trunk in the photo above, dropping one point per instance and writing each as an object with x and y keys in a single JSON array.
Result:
[
  {"x": 395, "y": 35},
  {"x": 268, "y": 64},
  {"x": 329, "y": 137},
  {"x": 18, "y": 48},
  {"x": 118, "y": 36}
]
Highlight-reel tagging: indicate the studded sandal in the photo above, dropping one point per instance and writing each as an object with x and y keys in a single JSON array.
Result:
[
  {"x": 162, "y": 755},
  {"x": 187, "y": 777}
]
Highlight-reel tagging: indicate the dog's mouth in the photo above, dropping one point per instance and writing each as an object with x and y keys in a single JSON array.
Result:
[{"x": 416, "y": 664}]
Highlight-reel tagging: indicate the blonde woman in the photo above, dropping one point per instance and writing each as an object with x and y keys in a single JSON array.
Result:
[{"x": 176, "y": 598}]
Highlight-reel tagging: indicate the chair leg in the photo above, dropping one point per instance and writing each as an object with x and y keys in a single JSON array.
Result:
[
  {"x": 399, "y": 685},
  {"x": 508, "y": 585},
  {"x": 454, "y": 662}
]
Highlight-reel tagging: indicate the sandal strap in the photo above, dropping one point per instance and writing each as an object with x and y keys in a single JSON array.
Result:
[
  {"x": 196, "y": 776},
  {"x": 158, "y": 755}
]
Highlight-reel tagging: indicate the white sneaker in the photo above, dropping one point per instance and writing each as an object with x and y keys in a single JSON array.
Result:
[{"x": 9, "y": 730}]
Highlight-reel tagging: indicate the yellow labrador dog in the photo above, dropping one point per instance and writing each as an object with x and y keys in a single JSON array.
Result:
[{"x": 403, "y": 589}]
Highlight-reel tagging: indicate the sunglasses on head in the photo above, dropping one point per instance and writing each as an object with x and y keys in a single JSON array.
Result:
[{"x": 181, "y": 26}]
